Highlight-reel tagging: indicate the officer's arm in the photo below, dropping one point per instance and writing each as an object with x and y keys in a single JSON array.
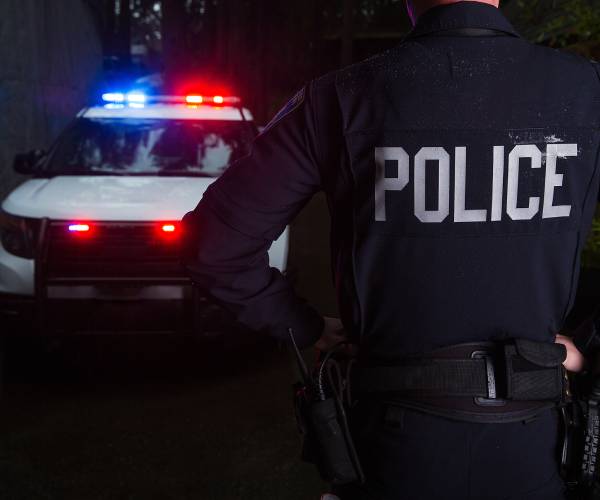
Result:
[{"x": 229, "y": 233}]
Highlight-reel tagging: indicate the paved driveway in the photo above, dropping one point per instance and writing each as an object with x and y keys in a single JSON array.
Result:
[{"x": 149, "y": 418}]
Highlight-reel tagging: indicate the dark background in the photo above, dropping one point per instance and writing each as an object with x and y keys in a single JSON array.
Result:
[
  {"x": 57, "y": 54},
  {"x": 170, "y": 418}
]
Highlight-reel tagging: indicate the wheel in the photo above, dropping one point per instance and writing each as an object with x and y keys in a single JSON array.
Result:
[{"x": 2, "y": 363}]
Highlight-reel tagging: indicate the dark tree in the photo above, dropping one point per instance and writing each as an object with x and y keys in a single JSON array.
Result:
[
  {"x": 174, "y": 28},
  {"x": 347, "y": 32},
  {"x": 117, "y": 32}
]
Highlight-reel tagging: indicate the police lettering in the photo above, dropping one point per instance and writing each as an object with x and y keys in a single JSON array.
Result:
[{"x": 500, "y": 191}]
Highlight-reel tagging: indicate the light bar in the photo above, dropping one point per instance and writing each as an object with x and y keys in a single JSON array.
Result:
[
  {"x": 139, "y": 99},
  {"x": 194, "y": 99},
  {"x": 136, "y": 97},
  {"x": 79, "y": 228},
  {"x": 113, "y": 97},
  {"x": 169, "y": 228},
  {"x": 202, "y": 99},
  {"x": 114, "y": 105},
  {"x": 131, "y": 98}
]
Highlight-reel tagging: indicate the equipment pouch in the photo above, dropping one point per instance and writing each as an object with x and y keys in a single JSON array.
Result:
[
  {"x": 322, "y": 421},
  {"x": 330, "y": 439},
  {"x": 534, "y": 371},
  {"x": 327, "y": 441}
]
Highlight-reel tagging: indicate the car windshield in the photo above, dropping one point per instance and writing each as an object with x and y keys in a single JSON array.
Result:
[{"x": 150, "y": 147}]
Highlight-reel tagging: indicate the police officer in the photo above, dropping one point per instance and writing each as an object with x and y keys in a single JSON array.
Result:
[{"x": 461, "y": 170}]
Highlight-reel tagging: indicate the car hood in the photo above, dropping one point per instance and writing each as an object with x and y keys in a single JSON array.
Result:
[{"x": 107, "y": 198}]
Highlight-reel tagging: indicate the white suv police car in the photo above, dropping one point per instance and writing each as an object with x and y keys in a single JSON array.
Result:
[{"x": 91, "y": 241}]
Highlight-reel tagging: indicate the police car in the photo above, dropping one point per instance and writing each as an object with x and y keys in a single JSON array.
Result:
[{"x": 96, "y": 230}]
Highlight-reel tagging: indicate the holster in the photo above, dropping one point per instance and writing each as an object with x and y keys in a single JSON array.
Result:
[
  {"x": 580, "y": 456},
  {"x": 327, "y": 442},
  {"x": 580, "y": 450}
]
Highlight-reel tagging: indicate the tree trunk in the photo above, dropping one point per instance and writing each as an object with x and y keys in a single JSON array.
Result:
[
  {"x": 110, "y": 24},
  {"x": 222, "y": 29},
  {"x": 235, "y": 37},
  {"x": 123, "y": 33},
  {"x": 173, "y": 37},
  {"x": 348, "y": 33}
]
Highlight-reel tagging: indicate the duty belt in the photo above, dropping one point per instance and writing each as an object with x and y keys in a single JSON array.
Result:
[{"x": 482, "y": 382}]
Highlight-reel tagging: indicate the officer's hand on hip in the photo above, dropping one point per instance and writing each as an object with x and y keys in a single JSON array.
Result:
[
  {"x": 333, "y": 334},
  {"x": 575, "y": 360}
]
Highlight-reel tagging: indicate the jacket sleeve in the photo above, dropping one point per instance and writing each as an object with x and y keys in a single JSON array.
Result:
[{"x": 227, "y": 237}]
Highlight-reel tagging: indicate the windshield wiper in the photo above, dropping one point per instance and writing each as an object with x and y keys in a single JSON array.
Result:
[
  {"x": 82, "y": 172},
  {"x": 182, "y": 173},
  {"x": 123, "y": 173}
]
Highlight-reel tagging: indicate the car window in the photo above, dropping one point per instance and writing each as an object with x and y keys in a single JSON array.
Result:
[{"x": 130, "y": 147}]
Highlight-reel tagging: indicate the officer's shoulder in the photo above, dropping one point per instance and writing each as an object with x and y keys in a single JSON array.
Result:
[
  {"x": 330, "y": 81},
  {"x": 324, "y": 82},
  {"x": 573, "y": 64},
  {"x": 364, "y": 70}
]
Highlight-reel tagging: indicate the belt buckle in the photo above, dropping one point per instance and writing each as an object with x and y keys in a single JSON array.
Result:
[{"x": 492, "y": 399}]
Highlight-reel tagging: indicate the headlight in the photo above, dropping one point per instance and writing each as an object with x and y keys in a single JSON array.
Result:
[{"x": 18, "y": 235}]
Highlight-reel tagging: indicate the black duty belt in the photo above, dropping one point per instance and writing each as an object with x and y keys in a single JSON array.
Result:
[{"x": 494, "y": 382}]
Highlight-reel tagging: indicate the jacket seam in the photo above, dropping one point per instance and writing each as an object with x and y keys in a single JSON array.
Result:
[
  {"x": 318, "y": 143},
  {"x": 577, "y": 256},
  {"x": 359, "y": 305}
]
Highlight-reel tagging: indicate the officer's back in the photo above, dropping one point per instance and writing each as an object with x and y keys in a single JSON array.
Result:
[
  {"x": 461, "y": 170},
  {"x": 470, "y": 159}
]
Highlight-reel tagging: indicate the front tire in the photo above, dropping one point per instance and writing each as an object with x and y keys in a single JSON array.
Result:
[{"x": 3, "y": 344}]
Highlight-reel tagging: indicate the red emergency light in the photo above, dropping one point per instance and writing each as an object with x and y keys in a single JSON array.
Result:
[
  {"x": 194, "y": 99},
  {"x": 79, "y": 228},
  {"x": 219, "y": 100},
  {"x": 168, "y": 232}
]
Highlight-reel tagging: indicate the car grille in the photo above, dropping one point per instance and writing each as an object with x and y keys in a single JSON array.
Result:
[{"x": 112, "y": 250}]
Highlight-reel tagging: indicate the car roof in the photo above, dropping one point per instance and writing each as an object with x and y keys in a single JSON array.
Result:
[{"x": 168, "y": 112}]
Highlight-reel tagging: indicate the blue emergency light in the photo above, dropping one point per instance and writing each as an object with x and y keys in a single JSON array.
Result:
[
  {"x": 136, "y": 98},
  {"x": 113, "y": 97}
]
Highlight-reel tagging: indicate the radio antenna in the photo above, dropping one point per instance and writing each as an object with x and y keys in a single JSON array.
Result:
[{"x": 301, "y": 364}]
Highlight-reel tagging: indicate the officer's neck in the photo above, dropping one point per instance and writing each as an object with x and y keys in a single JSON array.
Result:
[{"x": 422, "y": 6}]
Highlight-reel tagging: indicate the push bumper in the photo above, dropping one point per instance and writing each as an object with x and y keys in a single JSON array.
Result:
[
  {"x": 16, "y": 313},
  {"x": 101, "y": 288},
  {"x": 93, "y": 310}
]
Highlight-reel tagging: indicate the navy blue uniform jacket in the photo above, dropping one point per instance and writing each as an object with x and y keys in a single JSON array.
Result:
[{"x": 461, "y": 174}]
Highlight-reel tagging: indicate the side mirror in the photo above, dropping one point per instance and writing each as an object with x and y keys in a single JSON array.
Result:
[{"x": 25, "y": 163}]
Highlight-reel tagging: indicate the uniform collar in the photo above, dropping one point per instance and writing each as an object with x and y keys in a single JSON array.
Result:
[{"x": 462, "y": 15}]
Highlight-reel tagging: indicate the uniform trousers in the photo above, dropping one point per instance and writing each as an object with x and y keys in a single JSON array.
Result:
[{"x": 410, "y": 455}]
